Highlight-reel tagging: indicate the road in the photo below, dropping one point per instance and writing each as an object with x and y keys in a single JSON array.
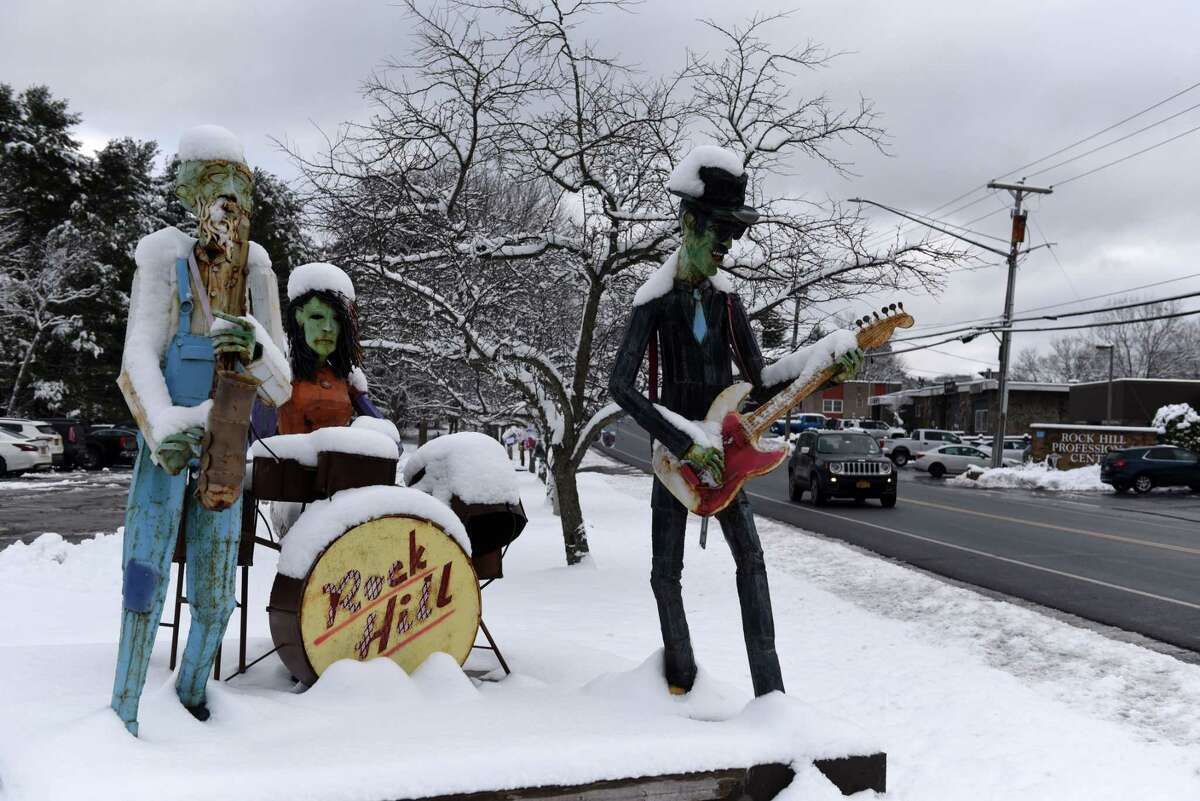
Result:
[
  {"x": 1127, "y": 561},
  {"x": 76, "y": 505}
]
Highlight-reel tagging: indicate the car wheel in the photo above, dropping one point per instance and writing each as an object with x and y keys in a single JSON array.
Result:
[
  {"x": 887, "y": 501},
  {"x": 819, "y": 498},
  {"x": 92, "y": 458},
  {"x": 900, "y": 457},
  {"x": 794, "y": 492},
  {"x": 1143, "y": 484},
  {"x": 937, "y": 470}
]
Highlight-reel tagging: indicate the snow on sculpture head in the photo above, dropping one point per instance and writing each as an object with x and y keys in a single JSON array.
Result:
[
  {"x": 321, "y": 321},
  {"x": 214, "y": 182},
  {"x": 711, "y": 182}
]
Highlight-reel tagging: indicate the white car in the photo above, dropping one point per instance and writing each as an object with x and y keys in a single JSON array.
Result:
[
  {"x": 37, "y": 431},
  {"x": 953, "y": 459},
  {"x": 19, "y": 454},
  {"x": 1015, "y": 448}
]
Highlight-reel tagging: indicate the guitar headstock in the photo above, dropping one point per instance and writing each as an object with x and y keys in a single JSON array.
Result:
[{"x": 877, "y": 330}]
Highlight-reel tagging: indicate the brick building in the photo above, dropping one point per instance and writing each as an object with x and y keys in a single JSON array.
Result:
[
  {"x": 974, "y": 406},
  {"x": 1135, "y": 400},
  {"x": 847, "y": 400}
]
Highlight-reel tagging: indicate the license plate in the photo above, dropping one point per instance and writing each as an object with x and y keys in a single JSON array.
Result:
[{"x": 863, "y": 485}]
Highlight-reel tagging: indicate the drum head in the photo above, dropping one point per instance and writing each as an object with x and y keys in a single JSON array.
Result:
[{"x": 396, "y": 587}]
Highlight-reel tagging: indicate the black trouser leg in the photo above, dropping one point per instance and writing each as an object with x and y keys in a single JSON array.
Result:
[
  {"x": 758, "y": 624},
  {"x": 666, "y": 569}
]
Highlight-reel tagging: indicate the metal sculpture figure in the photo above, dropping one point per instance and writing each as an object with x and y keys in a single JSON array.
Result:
[
  {"x": 322, "y": 330},
  {"x": 193, "y": 302},
  {"x": 700, "y": 328}
]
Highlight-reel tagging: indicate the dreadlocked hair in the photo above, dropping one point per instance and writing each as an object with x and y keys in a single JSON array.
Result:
[{"x": 348, "y": 353}]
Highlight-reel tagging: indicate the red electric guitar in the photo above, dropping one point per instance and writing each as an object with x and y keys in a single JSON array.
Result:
[{"x": 744, "y": 457}]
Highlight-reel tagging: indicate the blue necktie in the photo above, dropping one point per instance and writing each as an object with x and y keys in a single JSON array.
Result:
[{"x": 699, "y": 324}]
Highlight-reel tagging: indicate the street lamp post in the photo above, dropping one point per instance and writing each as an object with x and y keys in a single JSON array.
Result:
[{"x": 1108, "y": 411}]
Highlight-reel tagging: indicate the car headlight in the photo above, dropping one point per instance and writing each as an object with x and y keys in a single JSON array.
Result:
[
  {"x": 886, "y": 468},
  {"x": 836, "y": 468}
]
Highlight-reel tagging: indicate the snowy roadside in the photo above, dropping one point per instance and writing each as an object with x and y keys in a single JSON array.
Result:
[
  {"x": 971, "y": 697},
  {"x": 1033, "y": 476}
]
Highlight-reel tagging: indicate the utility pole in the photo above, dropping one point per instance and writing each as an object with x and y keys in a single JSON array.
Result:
[
  {"x": 787, "y": 425},
  {"x": 1018, "y": 191}
]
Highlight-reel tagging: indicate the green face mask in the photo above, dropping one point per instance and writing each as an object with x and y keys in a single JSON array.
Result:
[
  {"x": 696, "y": 260},
  {"x": 321, "y": 327}
]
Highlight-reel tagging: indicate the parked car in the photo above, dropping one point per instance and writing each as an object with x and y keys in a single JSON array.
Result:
[
  {"x": 840, "y": 464},
  {"x": 903, "y": 449},
  {"x": 800, "y": 422},
  {"x": 110, "y": 445},
  {"x": 1143, "y": 469},
  {"x": 954, "y": 459},
  {"x": 876, "y": 428},
  {"x": 74, "y": 438},
  {"x": 36, "y": 430},
  {"x": 19, "y": 454},
  {"x": 1015, "y": 448}
]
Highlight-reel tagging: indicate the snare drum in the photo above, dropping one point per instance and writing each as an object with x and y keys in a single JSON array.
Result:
[{"x": 397, "y": 586}]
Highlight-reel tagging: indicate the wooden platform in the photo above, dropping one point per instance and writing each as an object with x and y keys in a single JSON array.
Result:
[{"x": 759, "y": 783}]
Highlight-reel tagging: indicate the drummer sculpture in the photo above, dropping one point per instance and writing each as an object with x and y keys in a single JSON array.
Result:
[
  {"x": 322, "y": 331},
  {"x": 167, "y": 377},
  {"x": 702, "y": 328}
]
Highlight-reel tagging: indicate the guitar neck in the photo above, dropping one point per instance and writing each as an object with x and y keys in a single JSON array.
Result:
[{"x": 758, "y": 421}]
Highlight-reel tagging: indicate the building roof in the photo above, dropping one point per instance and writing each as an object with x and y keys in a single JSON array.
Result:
[{"x": 977, "y": 385}]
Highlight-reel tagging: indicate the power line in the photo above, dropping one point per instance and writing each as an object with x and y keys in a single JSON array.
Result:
[
  {"x": 985, "y": 329},
  {"x": 1130, "y": 156},
  {"x": 1102, "y": 131},
  {"x": 1125, "y": 291},
  {"x": 1118, "y": 140}
]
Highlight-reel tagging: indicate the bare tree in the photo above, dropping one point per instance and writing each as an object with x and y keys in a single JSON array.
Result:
[
  {"x": 509, "y": 195},
  {"x": 33, "y": 294}
]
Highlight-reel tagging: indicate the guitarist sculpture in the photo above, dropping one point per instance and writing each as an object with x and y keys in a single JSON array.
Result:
[
  {"x": 688, "y": 314},
  {"x": 738, "y": 434}
]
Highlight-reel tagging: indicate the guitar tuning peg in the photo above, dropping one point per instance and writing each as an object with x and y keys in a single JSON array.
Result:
[
  {"x": 857, "y": 323},
  {"x": 876, "y": 315},
  {"x": 901, "y": 305},
  {"x": 892, "y": 307},
  {"x": 884, "y": 310}
]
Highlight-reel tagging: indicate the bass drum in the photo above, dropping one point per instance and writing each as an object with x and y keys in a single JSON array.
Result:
[{"x": 398, "y": 587}]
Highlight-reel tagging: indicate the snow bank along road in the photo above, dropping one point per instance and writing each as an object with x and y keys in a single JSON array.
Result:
[{"x": 1127, "y": 561}]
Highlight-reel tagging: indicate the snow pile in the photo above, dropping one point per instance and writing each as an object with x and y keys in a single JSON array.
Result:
[
  {"x": 304, "y": 448},
  {"x": 685, "y": 178},
  {"x": 806, "y": 362},
  {"x": 471, "y": 466},
  {"x": 378, "y": 425},
  {"x": 210, "y": 143},
  {"x": 662, "y": 281},
  {"x": 1182, "y": 414},
  {"x": 319, "y": 276},
  {"x": 325, "y": 521},
  {"x": 1033, "y": 475},
  {"x": 702, "y": 432},
  {"x": 358, "y": 379}
]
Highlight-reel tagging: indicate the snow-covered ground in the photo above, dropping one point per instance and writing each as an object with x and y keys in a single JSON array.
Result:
[
  {"x": 971, "y": 697},
  {"x": 1035, "y": 476}
]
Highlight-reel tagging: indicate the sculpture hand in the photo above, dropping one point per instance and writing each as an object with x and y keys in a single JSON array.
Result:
[
  {"x": 848, "y": 364},
  {"x": 176, "y": 450},
  {"x": 237, "y": 340},
  {"x": 709, "y": 460}
]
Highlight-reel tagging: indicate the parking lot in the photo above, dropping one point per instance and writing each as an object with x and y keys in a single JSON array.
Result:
[{"x": 75, "y": 504}]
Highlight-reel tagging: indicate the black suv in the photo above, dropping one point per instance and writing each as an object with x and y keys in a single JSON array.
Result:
[
  {"x": 1146, "y": 468},
  {"x": 840, "y": 464},
  {"x": 110, "y": 445}
]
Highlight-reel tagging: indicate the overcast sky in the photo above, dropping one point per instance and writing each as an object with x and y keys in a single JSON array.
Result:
[{"x": 968, "y": 90}]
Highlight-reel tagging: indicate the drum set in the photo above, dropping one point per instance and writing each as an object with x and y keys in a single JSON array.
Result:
[{"x": 367, "y": 568}]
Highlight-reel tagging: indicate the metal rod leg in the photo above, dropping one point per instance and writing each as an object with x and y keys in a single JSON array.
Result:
[
  {"x": 495, "y": 648},
  {"x": 245, "y": 615},
  {"x": 178, "y": 611}
]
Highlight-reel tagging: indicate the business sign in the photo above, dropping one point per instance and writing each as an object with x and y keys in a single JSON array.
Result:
[
  {"x": 395, "y": 587},
  {"x": 1069, "y": 446}
]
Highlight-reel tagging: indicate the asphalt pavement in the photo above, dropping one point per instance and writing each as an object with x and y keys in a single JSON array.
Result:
[
  {"x": 1127, "y": 561},
  {"x": 74, "y": 504}
]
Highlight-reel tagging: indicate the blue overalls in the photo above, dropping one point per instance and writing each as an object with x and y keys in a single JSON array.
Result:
[{"x": 157, "y": 503}]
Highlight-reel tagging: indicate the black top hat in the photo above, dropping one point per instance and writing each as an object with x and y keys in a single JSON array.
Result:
[{"x": 724, "y": 195}]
